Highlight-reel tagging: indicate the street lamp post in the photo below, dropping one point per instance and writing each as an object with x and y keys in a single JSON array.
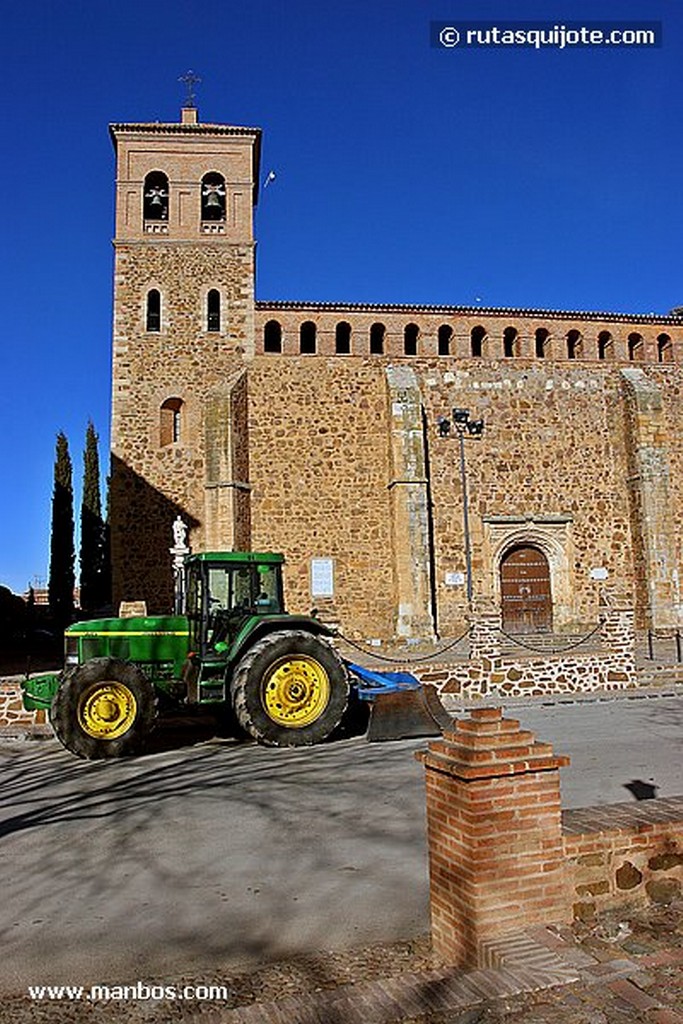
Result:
[{"x": 462, "y": 426}]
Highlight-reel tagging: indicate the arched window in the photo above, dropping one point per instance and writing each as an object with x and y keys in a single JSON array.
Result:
[
  {"x": 213, "y": 197},
  {"x": 574, "y": 345},
  {"x": 445, "y": 338},
  {"x": 213, "y": 310},
  {"x": 411, "y": 332},
  {"x": 605, "y": 345},
  {"x": 542, "y": 337},
  {"x": 155, "y": 196},
  {"x": 153, "y": 314},
  {"x": 477, "y": 340},
  {"x": 665, "y": 350},
  {"x": 307, "y": 333},
  {"x": 636, "y": 348},
  {"x": 342, "y": 338},
  {"x": 272, "y": 336},
  {"x": 170, "y": 421},
  {"x": 510, "y": 342},
  {"x": 377, "y": 332}
]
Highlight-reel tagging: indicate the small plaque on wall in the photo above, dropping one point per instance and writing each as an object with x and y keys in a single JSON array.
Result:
[
  {"x": 322, "y": 577},
  {"x": 455, "y": 579},
  {"x": 599, "y": 573}
]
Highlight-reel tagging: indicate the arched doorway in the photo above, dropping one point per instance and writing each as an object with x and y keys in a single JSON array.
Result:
[{"x": 525, "y": 590}]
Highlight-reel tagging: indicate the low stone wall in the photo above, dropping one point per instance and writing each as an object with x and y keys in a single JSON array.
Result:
[
  {"x": 608, "y": 664},
  {"x": 528, "y": 677},
  {"x": 624, "y": 854},
  {"x": 14, "y": 721}
]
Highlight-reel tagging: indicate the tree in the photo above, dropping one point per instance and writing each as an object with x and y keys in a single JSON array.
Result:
[
  {"x": 93, "y": 554},
  {"x": 62, "y": 555},
  {"x": 106, "y": 580}
]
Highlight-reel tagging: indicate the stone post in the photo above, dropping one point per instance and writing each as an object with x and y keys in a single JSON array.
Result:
[
  {"x": 617, "y": 633},
  {"x": 496, "y": 859},
  {"x": 485, "y": 635},
  {"x": 617, "y": 629}
]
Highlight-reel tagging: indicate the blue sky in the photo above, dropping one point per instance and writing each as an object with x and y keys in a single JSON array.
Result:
[{"x": 404, "y": 174}]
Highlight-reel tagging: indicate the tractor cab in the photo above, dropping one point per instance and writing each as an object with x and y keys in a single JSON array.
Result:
[{"x": 224, "y": 590}]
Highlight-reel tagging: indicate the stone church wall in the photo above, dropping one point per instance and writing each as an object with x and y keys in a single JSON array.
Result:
[
  {"x": 319, "y": 463},
  {"x": 309, "y": 472},
  {"x": 551, "y": 469}
]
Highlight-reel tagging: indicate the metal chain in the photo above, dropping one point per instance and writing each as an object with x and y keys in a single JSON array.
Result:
[
  {"x": 404, "y": 661},
  {"x": 550, "y": 650}
]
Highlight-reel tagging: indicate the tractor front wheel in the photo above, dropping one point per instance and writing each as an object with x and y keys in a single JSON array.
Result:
[
  {"x": 103, "y": 708},
  {"x": 290, "y": 689}
]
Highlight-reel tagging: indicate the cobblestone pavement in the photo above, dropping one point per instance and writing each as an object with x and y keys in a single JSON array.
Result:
[{"x": 622, "y": 968}]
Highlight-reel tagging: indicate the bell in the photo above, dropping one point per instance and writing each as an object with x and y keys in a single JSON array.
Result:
[
  {"x": 213, "y": 199},
  {"x": 156, "y": 199}
]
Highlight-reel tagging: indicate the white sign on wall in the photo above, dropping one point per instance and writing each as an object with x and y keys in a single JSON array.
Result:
[
  {"x": 455, "y": 579},
  {"x": 599, "y": 573},
  {"x": 322, "y": 577}
]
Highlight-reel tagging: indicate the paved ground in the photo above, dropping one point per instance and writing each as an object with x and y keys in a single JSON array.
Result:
[
  {"x": 215, "y": 853},
  {"x": 205, "y": 861},
  {"x": 624, "y": 969}
]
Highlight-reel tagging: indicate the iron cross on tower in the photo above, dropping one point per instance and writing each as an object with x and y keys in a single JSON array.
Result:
[{"x": 190, "y": 80}]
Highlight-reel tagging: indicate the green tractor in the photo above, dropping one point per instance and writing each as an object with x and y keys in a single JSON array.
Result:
[{"x": 235, "y": 647}]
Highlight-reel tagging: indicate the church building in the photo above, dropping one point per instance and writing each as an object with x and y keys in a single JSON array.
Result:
[{"x": 416, "y": 464}]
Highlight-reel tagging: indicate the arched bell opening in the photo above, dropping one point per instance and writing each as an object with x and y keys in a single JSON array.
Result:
[
  {"x": 155, "y": 196},
  {"x": 213, "y": 197}
]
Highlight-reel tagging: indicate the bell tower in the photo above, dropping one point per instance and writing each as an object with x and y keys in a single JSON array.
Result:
[{"x": 183, "y": 332}]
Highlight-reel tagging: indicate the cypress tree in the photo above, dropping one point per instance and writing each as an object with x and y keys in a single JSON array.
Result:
[
  {"x": 106, "y": 556},
  {"x": 62, "y": 555},
  {"x": 92, "y": 555}
]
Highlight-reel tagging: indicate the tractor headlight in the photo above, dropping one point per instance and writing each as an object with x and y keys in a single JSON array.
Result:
[{"x": 71, "y": 650}]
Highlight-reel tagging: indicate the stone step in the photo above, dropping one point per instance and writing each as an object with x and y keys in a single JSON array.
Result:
[{"x": 548, "y": 643}]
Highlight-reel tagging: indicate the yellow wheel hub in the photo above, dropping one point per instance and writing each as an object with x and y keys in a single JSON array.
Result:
[
  {"x": 296, "y": 691},
  {"x": 107, "y": 710}
]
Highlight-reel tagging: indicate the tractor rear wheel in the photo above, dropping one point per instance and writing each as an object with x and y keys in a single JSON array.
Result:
[
  {"x": 290, "y": 689},
  {"x": 104, "y": 708}
]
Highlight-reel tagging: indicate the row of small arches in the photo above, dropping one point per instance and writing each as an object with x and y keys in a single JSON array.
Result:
[
  {"x": 479, "y": 341},
  {"x": 156, "y": 192}
]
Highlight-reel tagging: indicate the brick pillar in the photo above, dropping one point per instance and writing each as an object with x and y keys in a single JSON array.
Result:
[{"x": 496, "y": 860}]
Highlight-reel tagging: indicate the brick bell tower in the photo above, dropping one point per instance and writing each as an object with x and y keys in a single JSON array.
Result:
[{"x": 183, "y": 334}]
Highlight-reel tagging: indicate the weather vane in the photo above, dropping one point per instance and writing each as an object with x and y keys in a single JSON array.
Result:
[{"x": 190, "y": 80}]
